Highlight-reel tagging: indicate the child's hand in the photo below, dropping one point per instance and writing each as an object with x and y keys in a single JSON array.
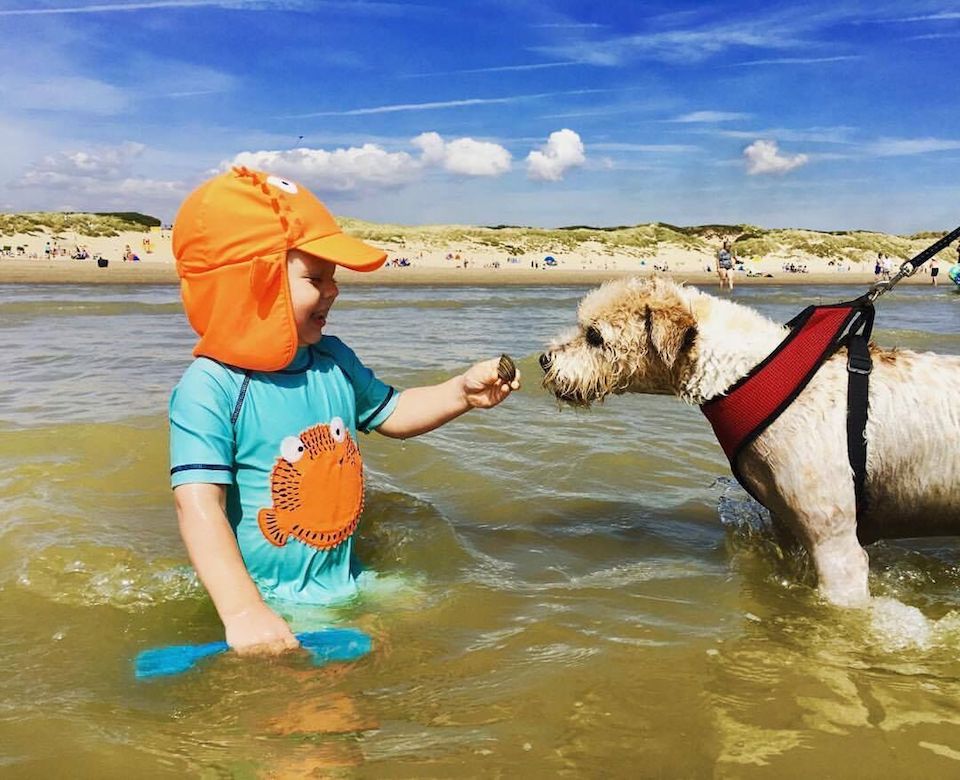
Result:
[
  {"x": 259, "y": 630},
  {"x": 482, "y": 387}
]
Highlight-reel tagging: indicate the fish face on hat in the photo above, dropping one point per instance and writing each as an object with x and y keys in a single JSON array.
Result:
[{"x": 230, "y": 240}]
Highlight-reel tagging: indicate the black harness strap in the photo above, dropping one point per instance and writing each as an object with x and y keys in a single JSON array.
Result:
[{"x": 859, "y": 366}]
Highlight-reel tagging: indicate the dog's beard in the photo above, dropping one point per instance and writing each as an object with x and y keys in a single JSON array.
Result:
[
  {"x": 579, "y": 388},
  {"x": 572, "y": 397}
]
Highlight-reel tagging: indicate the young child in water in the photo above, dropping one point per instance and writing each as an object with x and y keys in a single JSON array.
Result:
[{"x": 266, "y": 472}]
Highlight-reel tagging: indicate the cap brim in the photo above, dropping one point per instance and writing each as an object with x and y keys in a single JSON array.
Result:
[{"x": 346, "y": 251}]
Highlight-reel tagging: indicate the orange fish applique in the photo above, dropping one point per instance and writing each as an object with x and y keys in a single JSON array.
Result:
[{"x": 316, "y": 487}]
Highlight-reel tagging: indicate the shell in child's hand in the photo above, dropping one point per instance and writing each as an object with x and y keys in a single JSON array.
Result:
[{"x": 507, "y": 369}]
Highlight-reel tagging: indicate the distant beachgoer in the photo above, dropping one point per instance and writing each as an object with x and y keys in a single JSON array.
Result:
[
  {"x": 725, "y": 260},
  {"x": 885, "y": 267},
  {"x": 934, "y": 272}
]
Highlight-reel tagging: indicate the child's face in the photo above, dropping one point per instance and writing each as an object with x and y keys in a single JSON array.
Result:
[{"x": 312, "y": 293}]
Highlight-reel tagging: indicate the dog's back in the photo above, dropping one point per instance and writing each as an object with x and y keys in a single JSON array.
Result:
[{"x": 913, "y": 444}]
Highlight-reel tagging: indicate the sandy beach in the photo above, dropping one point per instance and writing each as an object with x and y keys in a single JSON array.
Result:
[
  {"x": 66, "y": 271},
  {"x": 430, "y": 263}
]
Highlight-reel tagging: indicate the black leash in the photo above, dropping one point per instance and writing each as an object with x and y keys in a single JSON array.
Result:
[{"x": 909, "y": 268}]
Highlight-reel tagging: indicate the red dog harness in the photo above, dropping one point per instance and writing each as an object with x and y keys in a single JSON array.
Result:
[{"x": 755, "y": 401}]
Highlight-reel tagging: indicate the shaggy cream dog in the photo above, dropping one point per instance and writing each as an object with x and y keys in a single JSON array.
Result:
[{"x": 654, "y": 336}]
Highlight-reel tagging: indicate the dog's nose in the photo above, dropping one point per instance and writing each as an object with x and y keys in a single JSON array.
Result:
[{"x": 545, "y": 362}]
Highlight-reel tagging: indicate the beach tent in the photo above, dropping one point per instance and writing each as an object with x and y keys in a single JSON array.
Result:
[{"x": 549, "y": 260}]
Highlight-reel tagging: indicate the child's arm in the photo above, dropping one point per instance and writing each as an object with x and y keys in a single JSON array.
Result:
[
  {"x": 421, "y": 409},
  {"x": 250, "y": 625}
]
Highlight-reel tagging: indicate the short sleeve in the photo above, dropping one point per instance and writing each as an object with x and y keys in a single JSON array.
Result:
[
  {"x": 201, "y": 428},
  {"x": 375, "y": 399}
]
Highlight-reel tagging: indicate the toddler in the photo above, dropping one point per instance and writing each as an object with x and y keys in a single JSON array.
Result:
[{"x": 266, "y": 471}]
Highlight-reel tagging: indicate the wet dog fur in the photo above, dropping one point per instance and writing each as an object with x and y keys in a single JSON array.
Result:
[{"x": 655, "y": 336}]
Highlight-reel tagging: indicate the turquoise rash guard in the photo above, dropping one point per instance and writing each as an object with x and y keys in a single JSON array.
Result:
[{"x": 284, "y": 444}]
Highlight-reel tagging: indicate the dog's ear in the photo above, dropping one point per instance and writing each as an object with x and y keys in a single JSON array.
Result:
[{"x": 672, "y": 331}]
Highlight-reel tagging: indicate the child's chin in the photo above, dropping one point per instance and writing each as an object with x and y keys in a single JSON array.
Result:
[{"x": 312, "y": 337}]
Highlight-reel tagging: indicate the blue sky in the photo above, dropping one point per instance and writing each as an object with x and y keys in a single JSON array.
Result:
[{"x": 828, "y": 115}]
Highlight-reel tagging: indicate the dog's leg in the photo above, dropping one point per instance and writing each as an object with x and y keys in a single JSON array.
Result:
[
  {"x": 819, "y": 512},
  {"x": 842, "y": 568},
  {"x": 841, "y": 563}
]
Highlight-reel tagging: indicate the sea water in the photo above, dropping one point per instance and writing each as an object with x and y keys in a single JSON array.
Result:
[{"x": 550, "y": 592}]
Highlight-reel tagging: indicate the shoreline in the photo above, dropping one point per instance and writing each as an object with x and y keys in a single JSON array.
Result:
[{"x": 65, "y": 271}]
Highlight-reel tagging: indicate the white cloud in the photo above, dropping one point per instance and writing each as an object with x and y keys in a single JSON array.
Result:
[
  {"x": 938, "y": 17},
  {"x": 432, "y": 148},
  {"x": 563, "y": 150},
  {"x": 896, "y": 147},
  {"x": 441, "y": 104},
  {"x": 465, "y": 156},
  {"x": 372, "y": 166},
  {"x": 339, "y": 170},
  {"x": 99, "y": 179},
  {"x": 799, "y": 60},
  {"x": 82, "y": 168},
  {"x": 679, "y": 46},
  {"x": 390, "y": 109},
  {"x": 710, "y": 116},
  {"x": 764, "y": 157},
  {"x": 476, "y": 158}
]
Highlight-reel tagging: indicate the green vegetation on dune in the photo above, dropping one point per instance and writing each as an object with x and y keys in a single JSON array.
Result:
[
  {"x": 83, "y": 224},
  {"x": 131, "y": 216},
  {"x": 646, "y": 240},
  {"x": 853, "y": 245},
  {"x": 640, "y": 241}
]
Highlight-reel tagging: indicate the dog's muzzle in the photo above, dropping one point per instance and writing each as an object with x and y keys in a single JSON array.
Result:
[{"x": 569, "y": 396}]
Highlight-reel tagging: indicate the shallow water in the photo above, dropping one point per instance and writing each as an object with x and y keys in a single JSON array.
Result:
[{"x": 556, "y": 593}]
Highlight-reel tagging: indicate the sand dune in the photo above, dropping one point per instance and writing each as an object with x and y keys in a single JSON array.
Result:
[{"x": 448, "y": 254}]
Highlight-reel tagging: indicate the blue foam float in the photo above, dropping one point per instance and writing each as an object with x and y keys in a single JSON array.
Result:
[{"x": 325, "y": 646}]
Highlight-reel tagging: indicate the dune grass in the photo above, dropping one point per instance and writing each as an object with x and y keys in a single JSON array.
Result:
[
  {"x": 82, "y": 224},
  {"x": 640, "y": 241},
  {"x": 646, "y": 240}
]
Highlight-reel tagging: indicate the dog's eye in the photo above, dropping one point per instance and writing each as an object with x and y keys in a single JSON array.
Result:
[{"x": 593, "y": 336}]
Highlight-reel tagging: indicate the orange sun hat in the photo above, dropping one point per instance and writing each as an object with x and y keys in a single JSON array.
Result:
[{"x": 230, "y": 240}]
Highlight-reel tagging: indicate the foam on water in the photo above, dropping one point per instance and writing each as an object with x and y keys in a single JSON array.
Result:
[{"x": 895, "y": 626}]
